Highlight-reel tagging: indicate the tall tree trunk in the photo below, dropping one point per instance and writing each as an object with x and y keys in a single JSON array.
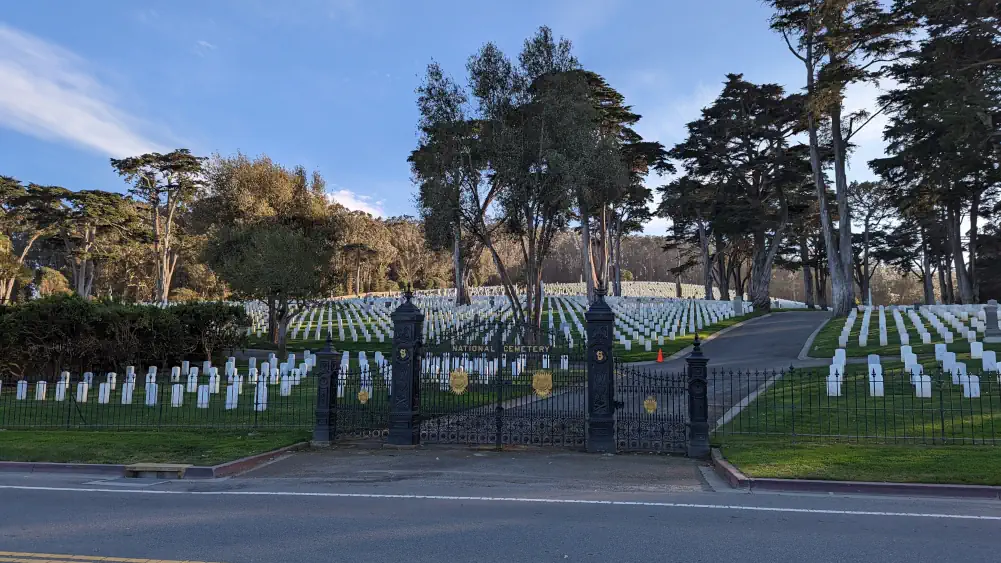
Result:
[
  {"x": 587, "y": 269},
  {"x": 841, "y": 192},
  {"x": 821, "y": 279},
  {"x": 721, "y": 267},
  {"x": 461, "y": 293},
  {"x": 954, "y": 231},
  {"x": 926, "y": 280},
  {"x": 761, "y": 268},
  {"x": 677, "y": 278},
  {"x": 804, "y": 257},
  {"x": 707, "y": 267},
  {"x": 617, "y": 257},
  {"x": 973, "y": 251},
  {"x": 273, "y": 319},
  {"x": 944, "y": 282}
]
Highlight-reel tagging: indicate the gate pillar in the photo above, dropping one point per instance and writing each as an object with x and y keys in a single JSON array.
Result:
[
  {"x": 698, "y": 402},
  {"x": 404, "y": 409},
  {"x": 599, "y": 363},
  {"x": 325, "y": 429}
]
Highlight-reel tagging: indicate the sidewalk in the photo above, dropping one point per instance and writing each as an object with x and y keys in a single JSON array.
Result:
[{"x": 527, "y": 470}]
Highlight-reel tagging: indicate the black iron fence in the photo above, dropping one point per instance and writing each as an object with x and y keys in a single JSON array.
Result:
[
  {"x": 121, "y": 403},
  {"x": 863, "y": 405}
]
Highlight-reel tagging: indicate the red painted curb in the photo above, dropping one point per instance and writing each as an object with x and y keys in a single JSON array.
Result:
[
  {"x": 244, "y": 464},
  {"x": 729, "y": 473}
]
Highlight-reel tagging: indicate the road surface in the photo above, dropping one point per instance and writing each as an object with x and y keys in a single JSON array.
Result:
[{"x": 456, "y": 505}]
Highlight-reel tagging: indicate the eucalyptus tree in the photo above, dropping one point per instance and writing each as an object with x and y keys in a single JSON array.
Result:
[
  {"x": 839, "y": 42},
  {"x": 508, "y": 166},
  {"x": 942, "y": 145}
]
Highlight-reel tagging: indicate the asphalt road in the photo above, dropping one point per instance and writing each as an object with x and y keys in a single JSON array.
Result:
[
  {"x": 762, "y": 343},
  {"x": 323, "y": 518}
]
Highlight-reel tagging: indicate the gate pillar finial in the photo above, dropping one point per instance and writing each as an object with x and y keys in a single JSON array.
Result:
[
  {"x": 404, "y": 409},
  {"x": 600, "y": 366}
]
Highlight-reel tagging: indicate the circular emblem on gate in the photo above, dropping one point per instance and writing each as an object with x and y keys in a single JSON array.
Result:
[
  {"x": 650, "y": 404},
  {"x": 542, "y": 383},
  {"x": 363, "y": 396},
  {"x": 458, "y": 380},
  {"x": 403, "y": 353},
  {"x": 599, "y": 356}
]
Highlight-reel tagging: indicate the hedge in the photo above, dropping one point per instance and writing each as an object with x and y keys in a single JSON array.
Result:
[{"x": 43, "y": 337}]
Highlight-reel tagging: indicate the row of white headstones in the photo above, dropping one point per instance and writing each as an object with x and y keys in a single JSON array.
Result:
[
  {"x": 920, "y": 381},
  {"x": 948, "y": 321},
  {"x": 285, "y": 375},
  {"x": 640, "y": 321}
]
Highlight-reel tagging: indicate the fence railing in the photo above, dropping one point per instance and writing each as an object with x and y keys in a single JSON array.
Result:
[
  {"x": 860, "y": 406},
  {"x": 100, "y": 402}
]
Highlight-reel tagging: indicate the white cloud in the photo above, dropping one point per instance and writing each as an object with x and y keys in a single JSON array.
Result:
[
  {"x": 357, "y": 202},
  {"x": 48, "y": 93},
  {"x": 203, "y": 47}
]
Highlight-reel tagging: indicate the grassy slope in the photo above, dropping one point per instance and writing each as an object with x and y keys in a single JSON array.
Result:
[
  {"x": 976, "y": 465},
  {"x": 827, "y": 340},
  {"x": 175, "y": 446}
]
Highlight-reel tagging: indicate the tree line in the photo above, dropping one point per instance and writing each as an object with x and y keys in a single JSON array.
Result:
[{"x": 540, "y": 145}]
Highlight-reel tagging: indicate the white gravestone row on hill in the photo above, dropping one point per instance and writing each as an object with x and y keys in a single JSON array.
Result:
[{"x": 285, "y": 375}]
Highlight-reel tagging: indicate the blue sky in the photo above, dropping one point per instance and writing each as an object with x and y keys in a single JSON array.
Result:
[{"x": 329, "y": 84}]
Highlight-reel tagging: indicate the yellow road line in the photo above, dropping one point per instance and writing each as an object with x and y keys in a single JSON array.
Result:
[{"x": 22, "y": 557}]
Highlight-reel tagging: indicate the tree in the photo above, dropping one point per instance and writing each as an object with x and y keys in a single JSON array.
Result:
[
  {"x": 27, "y": 214},
  {"x": 874, "y": 205},
  {"x": 165, "y": 184},
  {"x": 943, "y": 160},
  {"x": 511, "y": 170},
  {"x": 746, "y": 170},
  {"x": 92, "y": 223},
  {"x": 839, "y": 42},
  {"x": 258, "y": 206}
]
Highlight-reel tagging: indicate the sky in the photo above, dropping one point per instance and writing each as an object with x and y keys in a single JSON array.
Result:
[{"x": 329, "y": 84}]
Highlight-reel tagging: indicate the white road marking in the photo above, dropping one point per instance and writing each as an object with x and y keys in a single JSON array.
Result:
[{"x": 510, "y": 499}]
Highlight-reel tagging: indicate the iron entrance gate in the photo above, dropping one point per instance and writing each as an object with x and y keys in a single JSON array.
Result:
[
  {"x": 501, "y": 384},
  {"x": 652, "y": 412}
]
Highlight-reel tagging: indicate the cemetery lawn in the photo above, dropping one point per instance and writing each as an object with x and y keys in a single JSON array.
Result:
[
  {"x": 172, "y": 446},
  {"x": 778, "y": 458},
  {"x": 826, "y": 341}
]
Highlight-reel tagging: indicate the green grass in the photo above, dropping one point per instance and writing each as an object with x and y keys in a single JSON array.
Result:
[
  {"x": 175, "y": 446},
  {"x": 972, "y": 465},
  {"x": 826, "y": 341},
  {"x": 638, "y": 354}
]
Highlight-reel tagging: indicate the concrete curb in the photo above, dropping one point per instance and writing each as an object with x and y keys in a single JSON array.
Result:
[
  {"x": 688, "y": 350},
  {"x": 729, "y": 473},
  {"x": 804, "y": 353},
  {"x": 118, "y": 470},
  {"x": 241, "y": 465},
  {"x": 49, "y": 467}
]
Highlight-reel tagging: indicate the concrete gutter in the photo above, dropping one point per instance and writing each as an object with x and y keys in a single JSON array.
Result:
[
  {"x": 729, "y": 473},
  {"x": 119, "y": 470}
]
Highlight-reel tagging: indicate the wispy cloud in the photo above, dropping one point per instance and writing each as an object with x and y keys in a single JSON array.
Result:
[
  {"x": 358, "y": 202},
  {"x": 203, "y": 47},
  {"x": 48, "y": 93}
]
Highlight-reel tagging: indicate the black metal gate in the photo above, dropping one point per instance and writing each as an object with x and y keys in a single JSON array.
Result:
[
  {"x": 498, "y": 383},
  {"x": 652, "y": 413}
]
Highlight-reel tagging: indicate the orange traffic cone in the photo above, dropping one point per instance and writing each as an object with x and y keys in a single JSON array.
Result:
[{"x": 660, "y": 355}]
